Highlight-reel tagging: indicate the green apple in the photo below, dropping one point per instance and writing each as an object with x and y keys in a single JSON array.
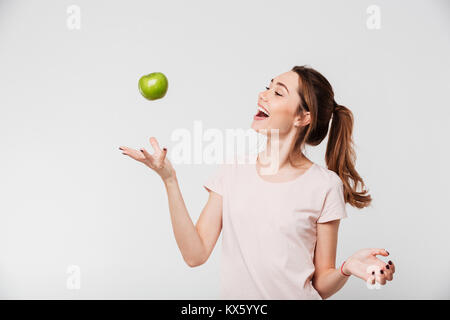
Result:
[{"x": 153, "y": 86}]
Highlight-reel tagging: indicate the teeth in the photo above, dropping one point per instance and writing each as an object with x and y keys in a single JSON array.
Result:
[{"x": 262, "y": 110}]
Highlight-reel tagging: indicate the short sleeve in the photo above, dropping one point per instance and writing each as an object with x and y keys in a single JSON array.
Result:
[
  {"x": 215, "y": 181},
  {"x": 334, "y": 204}
]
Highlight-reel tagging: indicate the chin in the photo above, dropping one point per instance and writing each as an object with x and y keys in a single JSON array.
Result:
[{"x": 258, "y": 128}]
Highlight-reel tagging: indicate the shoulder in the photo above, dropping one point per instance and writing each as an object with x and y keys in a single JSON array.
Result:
[{"x": 328, "y": 177}]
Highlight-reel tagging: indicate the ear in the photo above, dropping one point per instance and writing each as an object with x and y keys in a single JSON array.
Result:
[{"x": 302, "y": 121}]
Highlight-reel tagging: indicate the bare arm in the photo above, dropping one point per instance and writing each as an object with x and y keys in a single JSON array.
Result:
[
  {"x": 327, "y": 279},
  {"x": 363, "y": 264},
  {"x": 195, "y": 242}
]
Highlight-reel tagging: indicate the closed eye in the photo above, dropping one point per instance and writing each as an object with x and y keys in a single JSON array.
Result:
[{"x": 267, "y": 88}]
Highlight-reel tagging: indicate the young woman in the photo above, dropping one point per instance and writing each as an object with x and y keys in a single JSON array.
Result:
[{"x": 280, "y": 230}]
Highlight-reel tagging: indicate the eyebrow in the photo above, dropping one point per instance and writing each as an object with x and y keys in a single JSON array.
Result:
[{"x": 281, "y": 84}]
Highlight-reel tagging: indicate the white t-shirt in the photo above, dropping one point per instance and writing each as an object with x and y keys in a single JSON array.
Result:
[{"x": 269, "y": 229}]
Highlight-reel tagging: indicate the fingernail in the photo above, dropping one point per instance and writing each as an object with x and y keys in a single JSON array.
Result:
[
  {"x": 165, "y": 149},
  {"x": 387, "y": 266},
  {"x": 120, "y": 148},
  {"x": 142, "y": 150},
  {"x": 381, "y": 271},
  {"x": 373, "y": 272},
  {"x": 387, "y": 252}
]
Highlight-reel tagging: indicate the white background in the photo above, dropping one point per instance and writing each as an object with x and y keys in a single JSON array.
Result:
[{"x": 69, "y": 99}]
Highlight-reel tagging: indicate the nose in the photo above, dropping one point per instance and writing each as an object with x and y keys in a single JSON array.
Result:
[{"x": 262, "y": 95}]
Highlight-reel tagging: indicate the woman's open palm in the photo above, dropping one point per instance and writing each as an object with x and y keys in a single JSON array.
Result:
[{"x": 156, "y": 161}]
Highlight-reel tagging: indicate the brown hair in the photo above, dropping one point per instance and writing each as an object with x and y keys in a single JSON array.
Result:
[{"x": 317, "y": 97}]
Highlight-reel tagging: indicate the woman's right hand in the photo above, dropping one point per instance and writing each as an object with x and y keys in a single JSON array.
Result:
[{"x": 156, "y": 161}]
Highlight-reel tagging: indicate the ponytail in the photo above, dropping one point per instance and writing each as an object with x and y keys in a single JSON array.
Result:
[{"x": 340, "y": 157}]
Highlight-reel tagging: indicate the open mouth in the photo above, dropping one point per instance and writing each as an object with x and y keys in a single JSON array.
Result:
[{"x": 262, "y": 113}]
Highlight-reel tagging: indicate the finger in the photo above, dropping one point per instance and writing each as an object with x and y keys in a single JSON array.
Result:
[
  {"x": 371, "y": 279},
  {"x": 132, "y": 153},
  {"x": 124, "y": 149},
  {"x": 155, "y": 145},
  {"x": 382, "y": 252},
  {"x": 388, "y": 272},
  {"x": 380, "y": 277},
  {"x": 163, "y": 154},
  {"x": 148, "y": 156},
  {"x": 391, "y": 266}
]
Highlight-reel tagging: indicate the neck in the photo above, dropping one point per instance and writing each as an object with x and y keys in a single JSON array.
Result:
[{"x": 276, "y": 155}]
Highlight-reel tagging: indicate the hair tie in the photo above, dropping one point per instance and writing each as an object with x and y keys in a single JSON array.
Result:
[{"x": 335, "y": 105}]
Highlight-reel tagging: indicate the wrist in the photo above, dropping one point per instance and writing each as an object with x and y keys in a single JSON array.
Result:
[
  {"x": 344, "y": 270},
  {"x": 170, "y": 180}
]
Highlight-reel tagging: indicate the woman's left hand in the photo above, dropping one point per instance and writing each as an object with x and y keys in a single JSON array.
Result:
[{"x": 365, "y": 265}]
